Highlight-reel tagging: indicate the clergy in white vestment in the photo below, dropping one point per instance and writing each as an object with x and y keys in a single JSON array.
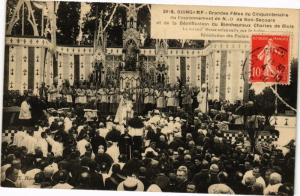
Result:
[
  {"x": 30, "y": 142},
  {"x": 202, "y": 99},
  {"x": 57, "y": 146},
  {"x": 42, "y": 144},
  {"x": 67, "y": 124},
  {"x": 25, "y": 113}
]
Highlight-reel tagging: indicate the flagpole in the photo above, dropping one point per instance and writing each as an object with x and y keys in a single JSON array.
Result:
[
  {"x": 276, "y": 101},
  {"x": 42, "y": 31},
  {"x": 23, "y": 12}
]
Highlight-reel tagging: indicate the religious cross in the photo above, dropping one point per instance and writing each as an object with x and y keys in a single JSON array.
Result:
[
  {"x": 51, "y": 75},
  {"x": 71, "y": 76},
  {"x": 217, "y": 63},
  {"x": 12, "y": 72},
  {"x": 37, "y": 41},
  {"x": 60, "y": 64},
  {"x": 81, "y": 65},
  {"x": 81, "y": 77},
  {"x": 177, "y": 67},
  {"x": 25, "y": 58},
  {"x": 60, "y": 76},
  {"x": 228, "y": 76},
  {"x": 24, "y": 85},
  {"x": 11, "y": 84},
  {"x": 11, "y": 40},
  {"x": 217, "y": 76},
  {"x": 25, "y": 72},
  {"x": 37, "y": 85},
  {"x": 217, "y": 89},
  {"x": 228, "y": 89},
  {"x": 188, "y": 67},
  {"x": 71, "y": 65},
  {"x": 30, "y": 41},
  {"x": 188, "y": 79},
  {"x": 37, "y": 72},
  {"x": 198, "y": 77},
  {"x": 286, "y": 122},
  {"x": 37, "y": 59},
  {"x": 12, "y": 58}
]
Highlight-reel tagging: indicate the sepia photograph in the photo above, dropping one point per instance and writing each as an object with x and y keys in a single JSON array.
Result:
[{"x": 149, "y": 98}]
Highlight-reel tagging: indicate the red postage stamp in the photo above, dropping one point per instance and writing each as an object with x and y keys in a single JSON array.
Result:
[{"x": 270, "y": 59}]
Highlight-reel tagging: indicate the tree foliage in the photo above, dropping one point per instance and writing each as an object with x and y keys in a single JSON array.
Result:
[
  {"x": 114, "y": 29},
  {"x": 265, "y": 102},
  {"x": 17, "y": 29},
  {"x": 68, "y": 15},
  {"x": 289, "y": 92}
]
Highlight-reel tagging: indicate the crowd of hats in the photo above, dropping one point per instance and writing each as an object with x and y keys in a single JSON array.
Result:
[{"x": 168, "y": 153}]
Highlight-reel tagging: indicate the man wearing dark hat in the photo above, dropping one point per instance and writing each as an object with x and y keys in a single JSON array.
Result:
[
  {"x": 96, "y": 178},
  {"x": 62, "y": 177},
  {"x": 125, "y": 144},
  {"x": 84, "y": 181},
  {"x": 133, "y": 165},
  {"x": 11, "y": 175},
  {"x": 115, "y": 179}
]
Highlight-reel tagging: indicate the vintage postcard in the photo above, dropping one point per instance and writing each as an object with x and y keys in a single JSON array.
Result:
[{"x": 149, "y": 97}]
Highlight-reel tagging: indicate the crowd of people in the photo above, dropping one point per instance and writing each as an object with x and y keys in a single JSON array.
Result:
[{"x": 161, "y": 150}]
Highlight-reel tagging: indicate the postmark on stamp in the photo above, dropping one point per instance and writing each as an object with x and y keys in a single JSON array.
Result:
[{"x": 270, "y": 59}]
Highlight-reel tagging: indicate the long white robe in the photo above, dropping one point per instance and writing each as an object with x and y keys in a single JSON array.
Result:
[
  {"x": 25, "y": 113},
  {"x": 124, "y": 111},
  {"x": 30, "y": 143},
  {"x": 201, "y": 98}
]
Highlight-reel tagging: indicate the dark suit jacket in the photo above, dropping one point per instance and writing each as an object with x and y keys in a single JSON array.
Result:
[
  {"x": 112, "y": 182},
  {"x": 8, "y": 183}
]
